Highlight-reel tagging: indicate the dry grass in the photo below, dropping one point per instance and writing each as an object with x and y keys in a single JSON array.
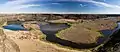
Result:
[
  {"x": 2, "y": 21},
  {"x": 38, "y": 33},
  {"x": 86, "y": 32},
  {"x": 77, "y": 34}
]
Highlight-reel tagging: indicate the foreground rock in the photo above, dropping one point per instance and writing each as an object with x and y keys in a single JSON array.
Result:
[
  {"x": 34, "y": 45},
  {"x": 6, "y": 44}
]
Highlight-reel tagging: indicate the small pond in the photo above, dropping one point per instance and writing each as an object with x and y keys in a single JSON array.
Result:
[{"x": 14, "y": 27}]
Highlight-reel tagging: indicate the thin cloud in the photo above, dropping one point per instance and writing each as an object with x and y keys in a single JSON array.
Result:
[
  {"x": 96, "y": 3},
  {"x": 105, "y": 4},
  {"x": 17, "y": 5},
  {"x": 55, "y": 3},
  {"x": 82, "y": 5},
  {"x": 26, "y": 6},
  {"x": 100, "y": 3}
]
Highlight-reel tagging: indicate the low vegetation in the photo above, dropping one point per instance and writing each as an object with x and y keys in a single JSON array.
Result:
[
  {"x": 3, "y": 21},
  {"x": 89, "y": 31},
  {"x": 6, "y": 44},
  {"x": 39, "y": 34},
  {"x": 77, "y": 34}
]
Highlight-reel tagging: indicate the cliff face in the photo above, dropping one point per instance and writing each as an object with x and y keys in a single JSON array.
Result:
[
  {"x": 45, "y": 17},
  {"x": 6, "y": 44}
]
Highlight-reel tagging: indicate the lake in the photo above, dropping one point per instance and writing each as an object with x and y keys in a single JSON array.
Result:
[
  {"x": 50, "y": 29},
  {"x": 14, "y": 27}
]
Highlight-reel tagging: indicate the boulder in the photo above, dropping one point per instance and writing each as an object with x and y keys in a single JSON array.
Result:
[{"x": 6, "y": 44}]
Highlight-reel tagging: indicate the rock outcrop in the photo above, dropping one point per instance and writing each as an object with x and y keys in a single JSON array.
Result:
[
  {"x": 30, "y": 26},
  {"x": 46, "y": 17},
  {"x": 6, "y": 44}
]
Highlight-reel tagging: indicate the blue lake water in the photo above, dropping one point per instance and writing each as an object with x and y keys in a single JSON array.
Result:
[
  {"x": 108, "y": 32},
  {"x": 14, "y": 27},
  {"x": 53, "y": 27}
]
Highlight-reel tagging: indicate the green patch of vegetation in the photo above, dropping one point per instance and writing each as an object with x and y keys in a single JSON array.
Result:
[
  {"x": 60, "y": 32},
  {"x": 70, "y": 24},
  {"x": 96, "y": 48},
  {"x": 1, "y": 32},
  {"x": 38, "y": 32},
  {"x": 43, "y": 37},
  {"x": 115, "y": 25},
  {"x": 3, "y": 21}
]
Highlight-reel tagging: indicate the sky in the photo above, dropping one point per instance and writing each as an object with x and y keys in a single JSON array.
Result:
[{"x": 61, "y": 6}]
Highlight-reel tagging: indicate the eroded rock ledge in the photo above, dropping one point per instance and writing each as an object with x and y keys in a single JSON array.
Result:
[{"x": 6, "y": 44}]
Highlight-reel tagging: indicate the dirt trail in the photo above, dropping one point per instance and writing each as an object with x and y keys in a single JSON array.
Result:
[{"x": 34, "y": 45}]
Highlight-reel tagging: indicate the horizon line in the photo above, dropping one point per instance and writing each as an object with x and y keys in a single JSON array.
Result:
[{"x": 52, "y": 13}]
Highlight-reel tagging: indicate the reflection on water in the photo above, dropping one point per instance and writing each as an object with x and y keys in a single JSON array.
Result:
[
  {"x": 53, "y": 27},
  {"x": 106, "y": 32}
]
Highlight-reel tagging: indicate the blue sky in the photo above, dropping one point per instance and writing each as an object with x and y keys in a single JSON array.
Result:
[{"x": 61, "y": 6}]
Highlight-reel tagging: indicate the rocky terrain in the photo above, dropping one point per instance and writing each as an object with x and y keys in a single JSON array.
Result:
[
  {"x": 83, "y": 27},
  {"x": 27, "y": 42},
  {"x": 46, "y": 17},
  {"x": 87, "y": 32},
  {"x": 6, "y": 44}
]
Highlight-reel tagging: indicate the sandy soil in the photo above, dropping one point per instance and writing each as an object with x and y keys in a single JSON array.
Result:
[{"x": 34, "y": 45}]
